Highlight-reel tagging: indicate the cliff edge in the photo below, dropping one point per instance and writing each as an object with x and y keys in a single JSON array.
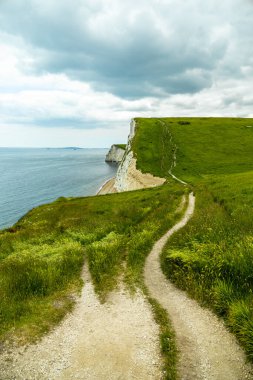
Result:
[
  {"x": 115, "y": 153},
  {"x": 128, "y": 177}
]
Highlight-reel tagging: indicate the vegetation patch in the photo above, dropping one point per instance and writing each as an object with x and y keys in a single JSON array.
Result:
[
  {"x": 211, "y": 258},
  {"x": 41, "y": 257},
  {"x": 152, "y": 146},
  {"x": 167, "y": 341},
  {"x": 121, "y": 146},
  {"x": 204, "y": 146}
]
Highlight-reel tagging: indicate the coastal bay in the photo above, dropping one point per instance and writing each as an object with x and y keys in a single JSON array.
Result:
[{"x": 30, "y": 177}]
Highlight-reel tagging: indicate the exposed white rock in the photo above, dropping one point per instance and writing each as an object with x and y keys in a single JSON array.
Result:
[
  {"x": 115, "y": 154},
  {"x": 130, "y": 178}
]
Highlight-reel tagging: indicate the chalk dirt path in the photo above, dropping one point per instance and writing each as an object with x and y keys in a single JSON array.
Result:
[
  {"x": 207, "y": 350},
  {"x": 115, "y": 340}
]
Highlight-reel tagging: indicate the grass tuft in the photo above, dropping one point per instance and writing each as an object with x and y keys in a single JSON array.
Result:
[{"x": 167, "y": 341}]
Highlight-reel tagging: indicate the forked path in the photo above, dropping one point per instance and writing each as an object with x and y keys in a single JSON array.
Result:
[
  {"x": 207, "y": 350},
  {"x": 115, "y": 340}
]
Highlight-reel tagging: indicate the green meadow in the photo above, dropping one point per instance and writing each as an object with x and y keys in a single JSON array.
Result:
[
  {"x": 41, "y": 257},
  {"x": 203, "y": 146},
  {"x": 212, "y": 257}
]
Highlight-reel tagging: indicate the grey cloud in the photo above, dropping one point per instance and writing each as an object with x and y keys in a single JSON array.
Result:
[
  {"x": 67, "y": 122},
  {"x": 54, "y": 122},
  {"x": 228, "y": 100},
  {"x": 137, "y": 58},
  {"x": 59, "y": 122}
]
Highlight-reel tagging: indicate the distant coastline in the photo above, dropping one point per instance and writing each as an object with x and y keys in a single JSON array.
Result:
[{"x": 69, "y": 148}]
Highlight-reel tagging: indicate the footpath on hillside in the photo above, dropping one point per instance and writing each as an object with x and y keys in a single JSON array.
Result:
[
  {"x": 120, "y": 340},
  {"x": 207, "y": 351},
  {"x": 115, "y": 340}
]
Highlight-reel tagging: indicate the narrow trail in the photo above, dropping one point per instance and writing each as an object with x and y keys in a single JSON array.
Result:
[
  {"x": 115, "y": 340},
  {"x": 174, "y": 157},
  {"x": 207, "y": 350}
]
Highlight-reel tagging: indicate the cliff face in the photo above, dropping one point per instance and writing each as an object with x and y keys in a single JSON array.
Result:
[
  {"x": 130, "y": 178},
  {"x": 115, "y": 154}
]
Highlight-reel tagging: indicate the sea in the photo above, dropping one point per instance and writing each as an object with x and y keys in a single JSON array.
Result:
[{"x": 31, "y": 177}]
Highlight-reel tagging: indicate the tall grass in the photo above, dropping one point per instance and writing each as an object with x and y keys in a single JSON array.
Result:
[
  {"x": 204, "y": 146},
  {"x": 153, "y": 147},
  {"x": 41, "y": 257},
  {"x": 105, "y": 257},
  {"x": 212, "y": 258},
  {"x": 34, "y": 272},
  {"x": 39, "y": 270}
]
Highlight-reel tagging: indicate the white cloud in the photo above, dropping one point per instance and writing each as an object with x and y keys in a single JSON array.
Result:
[{"x": 84, "y": 70}]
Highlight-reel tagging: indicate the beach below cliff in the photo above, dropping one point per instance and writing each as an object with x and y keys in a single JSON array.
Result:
[{"x": 107, "y": 187}]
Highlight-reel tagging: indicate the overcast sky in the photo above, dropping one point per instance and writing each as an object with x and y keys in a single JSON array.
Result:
[{"x": 74, "y": 72}]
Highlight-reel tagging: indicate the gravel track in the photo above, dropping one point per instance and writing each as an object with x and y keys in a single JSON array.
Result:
[
  {"x": 207, "y": 350},
  {"x": 115, "y": 340}
]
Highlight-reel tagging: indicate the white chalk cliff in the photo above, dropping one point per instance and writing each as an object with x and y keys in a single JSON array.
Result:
[
  {"x": 115, "y": 154},
  {"x": 130, "y": 178}
]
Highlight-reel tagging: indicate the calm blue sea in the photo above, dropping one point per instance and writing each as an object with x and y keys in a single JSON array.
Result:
[{"x": 30, "y": 177}]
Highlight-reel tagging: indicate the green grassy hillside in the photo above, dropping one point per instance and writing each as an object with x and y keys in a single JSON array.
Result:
[
  {"x": 212, "y": 258},
  {"x": 203, "y": 146},
  {"x": 42, "y": 255},
  {"x": 152, "y": 147}
]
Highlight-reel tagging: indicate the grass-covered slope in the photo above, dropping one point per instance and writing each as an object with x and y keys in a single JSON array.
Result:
[
  {"x": 212, "y": 258},
  {"x": 212, "y": 145},
  {"x": 152, "y": 147},
  {"x": 42, "y": 255},
  {"x": 203, "y": 146}
]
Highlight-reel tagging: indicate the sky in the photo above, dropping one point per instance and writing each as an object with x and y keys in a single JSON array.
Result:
[{"x": 74, "y": 73}]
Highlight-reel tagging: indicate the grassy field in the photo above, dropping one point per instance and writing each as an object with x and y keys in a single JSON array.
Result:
[
  {"x": 211, "y": 257},
  {"x": 203, "y": 146},
  {"x": 42, "y": 255},
  {"x": 211, "y": 146},
  {"x": 152, "y": 147}
]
